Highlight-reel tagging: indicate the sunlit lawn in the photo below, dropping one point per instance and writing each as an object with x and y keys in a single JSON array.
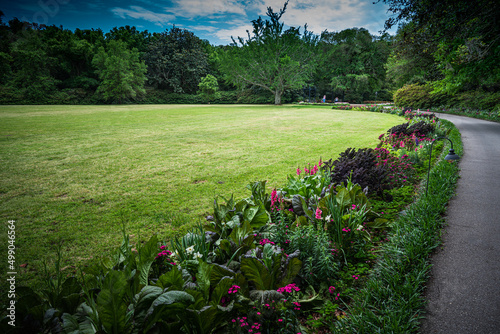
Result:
[{"x": 77, "y": 173}]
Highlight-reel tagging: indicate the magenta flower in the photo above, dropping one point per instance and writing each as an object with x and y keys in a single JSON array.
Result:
[
  {"x": 318, "y": 213},
  {"x": 298, "y": 171}
]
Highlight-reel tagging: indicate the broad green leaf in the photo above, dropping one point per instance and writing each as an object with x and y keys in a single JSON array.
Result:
[
  {"x": 172, "y": 279},
  {"x": 265, "y": 295},
  {"x": 70, "y": 324},
  {"x": 221, "y": 289},
  {"x": 111, "y": 306},
  {"x": 203, "y": 279},
  {"x": 261, "y": 217},
  {"x": 144, "y": 299},
  {"x": 218, "y": 272},
  {"x": 291, "y": 270},
  {"x": 206, "y": 320},
  {"x": 167, "y": 307},
  {"x": 146, "y": 257},
  {"x": 256, "y": 272}
]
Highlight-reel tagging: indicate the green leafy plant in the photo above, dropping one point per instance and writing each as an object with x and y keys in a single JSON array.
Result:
[{"x": 266, "y": 268}]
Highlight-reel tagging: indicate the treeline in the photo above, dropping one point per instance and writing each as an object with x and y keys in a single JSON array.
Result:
[
  {"x": 445, "y": 53},
  {"x": 49, "y": 64}
]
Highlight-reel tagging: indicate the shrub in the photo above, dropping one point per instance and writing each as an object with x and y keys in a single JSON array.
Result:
[
  {"x": 413, "y": 96},
  {"x": 419, "y": 129},
  {"x": 359, "y": 167}
]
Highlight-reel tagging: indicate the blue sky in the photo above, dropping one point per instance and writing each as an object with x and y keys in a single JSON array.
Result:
[{"x": 214, "y": 20}]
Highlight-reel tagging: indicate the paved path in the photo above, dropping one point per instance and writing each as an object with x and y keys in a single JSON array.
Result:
[{"x": 464, "y": 290}]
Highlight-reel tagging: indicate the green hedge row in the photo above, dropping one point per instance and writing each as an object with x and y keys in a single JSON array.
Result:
[
  {"x": 9, "y": 95},
  {"x": 418, "y": 96}
]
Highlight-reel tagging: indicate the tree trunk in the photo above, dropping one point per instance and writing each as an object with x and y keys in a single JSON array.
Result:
[{"x": 277, "y": 98}]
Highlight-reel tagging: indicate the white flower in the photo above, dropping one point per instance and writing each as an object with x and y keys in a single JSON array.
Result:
[
  {"x": 197, "y": 255},
  {"x": 190, "y": 249}
]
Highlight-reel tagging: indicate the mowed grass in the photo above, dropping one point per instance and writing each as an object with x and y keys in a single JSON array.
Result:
[{"x": 75, "y": 174}]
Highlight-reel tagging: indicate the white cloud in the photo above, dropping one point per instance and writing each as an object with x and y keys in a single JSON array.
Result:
[
  {"x": 137, "y": 12},
  {"x": 320, "y": 15},
  {"x": 205, "y": 8},
  {"x": 239, "y": 29}
]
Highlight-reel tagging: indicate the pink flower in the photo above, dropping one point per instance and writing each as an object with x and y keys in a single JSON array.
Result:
[
  {"x": 318, "y": 213},
  {"x": 274, "y": 197},
  {"x": 298, "y": 171}
]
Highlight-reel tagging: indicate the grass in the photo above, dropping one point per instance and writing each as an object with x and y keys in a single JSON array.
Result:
[{"x": 75, "y": 174}]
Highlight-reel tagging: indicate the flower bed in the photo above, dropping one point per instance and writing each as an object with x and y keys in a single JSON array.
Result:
[{"x": 286, "y": 262}]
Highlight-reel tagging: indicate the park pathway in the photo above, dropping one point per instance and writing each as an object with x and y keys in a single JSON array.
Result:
[{"x": 463, "y": 293}]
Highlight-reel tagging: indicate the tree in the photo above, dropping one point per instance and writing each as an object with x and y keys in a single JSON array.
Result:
[
  {"x": 272, "y": 58},
  {"x": 463, "y": 36},
  {"x": 354, "y": 61},
  {"x": 121, "y": 71},
  {"x": 209, "y": 86},
  {"x": 130, "y": 35},
  {"x": 176, "y": 61},
  {"x": 31, "y": 66}
]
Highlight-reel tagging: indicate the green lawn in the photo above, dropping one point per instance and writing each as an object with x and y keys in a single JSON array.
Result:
[{"x": 76, "y": 173}]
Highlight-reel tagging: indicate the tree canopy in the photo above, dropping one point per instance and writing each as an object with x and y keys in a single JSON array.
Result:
[
  {"x": 176, "y": 61},
  {"x": 462, "y": 37},
  {"x": 272, "y": 58},
  {"x": 121, "y": 71}
]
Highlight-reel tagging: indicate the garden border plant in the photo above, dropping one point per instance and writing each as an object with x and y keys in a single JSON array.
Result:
[
  {"x": 244, "y": 270},
  {"x": 393, "y": 299}
]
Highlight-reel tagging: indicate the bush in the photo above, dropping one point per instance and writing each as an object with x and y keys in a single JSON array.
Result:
[
  {"x": 414, "y": 96},
  {"x": 359, "y": 167},
  {"x": 419, "y": 129},
  {"x": 476, "y": 100}
]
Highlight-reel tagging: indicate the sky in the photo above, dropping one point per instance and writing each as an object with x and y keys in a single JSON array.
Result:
[{"x": 213, "y": 20}]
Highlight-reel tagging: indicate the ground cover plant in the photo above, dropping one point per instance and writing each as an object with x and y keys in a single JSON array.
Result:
[
  {"x": 75, "y": 174},
  {"x": 287, "y": 262}
]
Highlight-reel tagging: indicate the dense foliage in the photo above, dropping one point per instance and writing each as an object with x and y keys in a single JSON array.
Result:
[
  {"x": 452, "y": 45},
  {"x": 447, "y": 51}
]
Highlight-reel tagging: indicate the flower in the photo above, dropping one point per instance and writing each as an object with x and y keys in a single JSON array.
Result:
[
  {"x": 197, "y": 255},
  {"x": 289, "y": 288},
  {"x": 318, "y": 213},
  {"x": 274, "y": 197},
  {"x": 233, "y": 289},
  {"x": 190, "y": 249},
  {"x": 298, "y": 171},
  {"x": 266, "y": 241}
]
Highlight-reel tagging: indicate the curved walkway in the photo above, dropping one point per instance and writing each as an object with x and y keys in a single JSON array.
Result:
[{"x": 463, "y": 293}]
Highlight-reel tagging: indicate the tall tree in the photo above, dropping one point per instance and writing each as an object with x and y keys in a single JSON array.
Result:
[
  {"x": 176, "y": 61},
  {"x": 31, "y": 65},
  {"x": 272, "y": 58},
  {"x": 130, "y": 35},
  {"x": 354, "y": 61},
  {"x": 121, "y": 71}
]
